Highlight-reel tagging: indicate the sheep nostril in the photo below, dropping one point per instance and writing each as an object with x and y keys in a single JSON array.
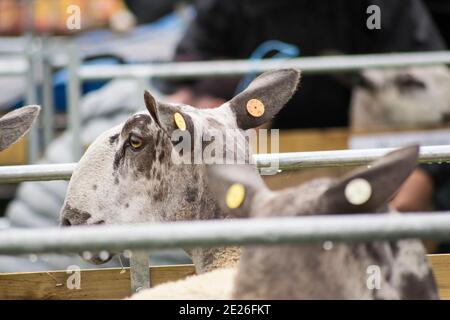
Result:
[{"x": 65, "y": 222}]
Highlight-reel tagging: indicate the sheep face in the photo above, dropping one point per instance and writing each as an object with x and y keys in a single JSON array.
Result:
[
  {"x": 16, "y": 124},
  {"x": 395, "y": 98},
  {"x": 137, "y": 171},
  {"x": 328, "y": 271}
]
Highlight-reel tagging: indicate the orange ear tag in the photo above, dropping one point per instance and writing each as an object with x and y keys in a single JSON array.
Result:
[
  {"x": 179, "y": 121},
  {"x": 235, "y": 196},
  {"x": 255, "y": 108}
]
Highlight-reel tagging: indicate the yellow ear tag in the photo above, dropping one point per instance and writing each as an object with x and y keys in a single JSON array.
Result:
[
  {"x": 179, "y": 121},
  {"x": 235, "y": 195},
  {"x": 255, "y": 107}
]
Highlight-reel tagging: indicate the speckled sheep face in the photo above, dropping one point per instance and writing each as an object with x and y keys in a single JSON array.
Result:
[{"x": 137, "y": 172}]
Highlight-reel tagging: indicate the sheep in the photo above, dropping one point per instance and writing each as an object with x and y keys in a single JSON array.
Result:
[
  {"x": 135, "y": 172},
  {"x": 400, "y": 98},
  {"x": 15, "y": 124},
  {"x": 313, "y": 271}
]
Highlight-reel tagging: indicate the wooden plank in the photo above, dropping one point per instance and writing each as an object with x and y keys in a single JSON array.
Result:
[
  {"x": 111, "y": 283},
  {"x": 15, "y": 154},
  {"x": 313, "y": 139},
  {"x": 114, "y": 283},
  {"x": 441, "y": 269}
]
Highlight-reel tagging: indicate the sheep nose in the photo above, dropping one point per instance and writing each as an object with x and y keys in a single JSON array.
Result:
[
  {"x": 65, "y": 222},
  {"x": 72, "y": 216}
]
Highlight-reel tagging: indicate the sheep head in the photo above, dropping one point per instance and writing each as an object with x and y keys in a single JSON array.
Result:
[
  {"x": 336, "y": 271},
  {"x": 144, "y": 170},
  {"x": 403, "y": 97}
]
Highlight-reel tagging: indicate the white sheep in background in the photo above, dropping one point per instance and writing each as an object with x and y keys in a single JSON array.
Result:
[
  {"x": 315, "y": 271},
  {"x": 401, "y": 98}
]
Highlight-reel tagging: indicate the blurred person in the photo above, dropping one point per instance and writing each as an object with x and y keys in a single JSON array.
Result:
[
  {"x": 440, "y": 11},
  {"x": 149, "y": 11},
  {"x": 234, "y": 29}
]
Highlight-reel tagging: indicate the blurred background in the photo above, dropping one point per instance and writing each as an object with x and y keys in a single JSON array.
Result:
[{"x": 67, "y": 57}]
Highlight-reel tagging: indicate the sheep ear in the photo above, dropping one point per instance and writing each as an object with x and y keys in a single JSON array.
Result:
[
  {"x": 266, "y": 95},
  {"x": 151, "y": 104},
  {"x": 16, "y": 124},
  {"x": 164, "y": 115},
  {"x": 369, "y": 190},
  {"x": 234, "y": 187}
]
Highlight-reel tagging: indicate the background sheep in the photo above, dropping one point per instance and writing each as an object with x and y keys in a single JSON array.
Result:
[{"x": 402, "y": 97}]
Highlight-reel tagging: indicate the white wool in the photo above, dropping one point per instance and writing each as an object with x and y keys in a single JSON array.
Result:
[{"x": 214, "y": 285}]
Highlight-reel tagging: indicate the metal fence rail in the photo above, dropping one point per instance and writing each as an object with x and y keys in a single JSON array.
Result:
[
  {"x": 286, "y": 161},
  {"x": 36, "y": 172},
  {"x": 306, "y": 229},
  {"x": 13, "y": 67},
  {"x": 308, "y": 65}
]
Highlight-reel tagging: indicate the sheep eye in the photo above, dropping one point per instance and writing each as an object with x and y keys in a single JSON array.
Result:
[
  {"x": 135, "y": 142},
  {"x": 409, "y": 82}
]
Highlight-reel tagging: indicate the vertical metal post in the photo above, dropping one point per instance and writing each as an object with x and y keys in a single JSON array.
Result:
[
  {"x": 139, "y": 270},
  {"x": 47, "y": 95},
  {"x": 31, "y": 91},
  {"x": 73, "y": 93},
  {"x": 31, "y": 98}
]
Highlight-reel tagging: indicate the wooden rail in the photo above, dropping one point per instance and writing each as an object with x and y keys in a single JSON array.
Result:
[
  {"x": 441, "y": 269},
  {"x": 114, "y": 283},
  {"x": 111, "y": 283}
]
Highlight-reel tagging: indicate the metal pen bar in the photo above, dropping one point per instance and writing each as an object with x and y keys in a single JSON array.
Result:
[
  {"x": 139, "y": 270},
  {"x": 10, "y": 67},
  {"x": 350, "y": 157},
  {"x": 47, "y": 95},
  {"x": 37, "y": 172},
  {"x": 306, "y": 229},
  {"x": 308, "y": 65},
  {"x": 285, "y": 161},
  {"x": 32, "y": 98},
  {"x": 73, "y": 94}
]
